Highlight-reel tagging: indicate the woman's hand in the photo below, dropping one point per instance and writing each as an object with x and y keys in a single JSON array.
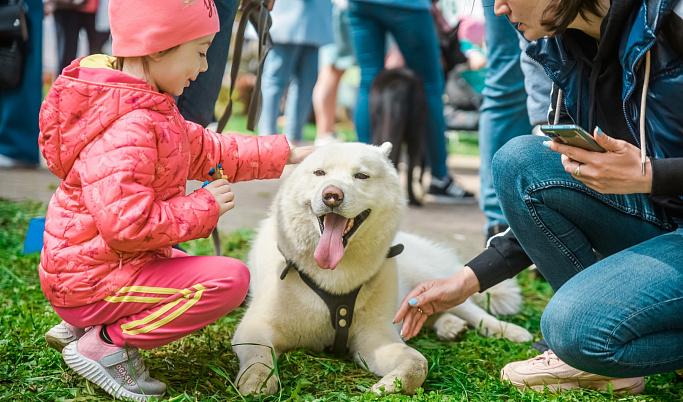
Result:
[
  {"x": 222, "y": 192},
  {"x": 297, "y": 154},
  {"x": 432, "y": 297},
  {"x": 617, "y": 171}
]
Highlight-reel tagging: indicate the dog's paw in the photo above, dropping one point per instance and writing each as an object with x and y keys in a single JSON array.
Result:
[
  {"x": 258, "y": 379},
  {"x": 388, "y": 385},
  {"x": 515, "y": 333},
  {"x": 448, "y": 327}
]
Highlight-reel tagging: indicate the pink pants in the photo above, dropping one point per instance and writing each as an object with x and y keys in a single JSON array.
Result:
[{"x": 166, "y": 300}]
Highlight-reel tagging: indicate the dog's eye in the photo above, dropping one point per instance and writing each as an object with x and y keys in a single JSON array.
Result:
[
  {"x": 319, "y": 172},
  {"x": 361, "y": 176}
]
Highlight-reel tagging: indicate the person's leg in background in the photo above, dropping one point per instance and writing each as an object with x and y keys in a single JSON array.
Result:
[
  {"x": 415, "y": 34},
  {"x": 96, "y": 39},
  {"x": 368, "y": 38},
  {"x": 68, "y": 25},
  {"x": 503, "y": 113},
  {"x": 299, "y": 95},
  {"x": 198, "y": 101},
  {"x": 19, "y": 107},
  {"x": 333, "y": 60},
  {"x": 325, "y": 100},
  {"x": 277, "y": 73}
]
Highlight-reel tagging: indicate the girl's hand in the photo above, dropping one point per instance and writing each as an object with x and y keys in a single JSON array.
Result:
[
  {"x": 222, "y": 192},
  {"x": 297, "y": 154},
  {"x": 617, "y": 171},
  {"x": 432, "y": 297}
]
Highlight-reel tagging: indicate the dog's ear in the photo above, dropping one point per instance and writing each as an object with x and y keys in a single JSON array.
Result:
[{"x": 385, "y": 148}]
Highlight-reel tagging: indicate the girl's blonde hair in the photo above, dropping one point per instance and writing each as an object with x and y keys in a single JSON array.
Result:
[{"x": 118, "y": 61}]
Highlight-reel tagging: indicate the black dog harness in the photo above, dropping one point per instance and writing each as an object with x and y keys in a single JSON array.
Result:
[{"x": 341, "y": 306}]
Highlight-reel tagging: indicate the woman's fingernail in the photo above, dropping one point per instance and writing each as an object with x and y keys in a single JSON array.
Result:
[
  {"x": 546, "y": 144},
  {"x": 412, "y": 301},
  {"x": 600, "y": 132}
]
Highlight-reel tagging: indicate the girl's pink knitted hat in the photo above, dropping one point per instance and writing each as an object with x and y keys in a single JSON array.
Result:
[{"x": 144, "y": 27}]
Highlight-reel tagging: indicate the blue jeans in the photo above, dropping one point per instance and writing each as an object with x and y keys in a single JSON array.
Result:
[
  {"x": 198, "y": 101},
  {"x": 503, "y": 113},
  {"x": 415, "y": 35},
  {"x": 615, "y": 261},
  {"x": 19, "y": 107},
  {"x": 286, "y": 65}
]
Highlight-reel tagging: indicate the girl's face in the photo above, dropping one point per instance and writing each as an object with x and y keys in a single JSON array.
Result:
[
  {"x": 525, "y": 14},
  {"x": 173, "y": 71}
]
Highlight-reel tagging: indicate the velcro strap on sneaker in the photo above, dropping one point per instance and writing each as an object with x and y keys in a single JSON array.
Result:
[{"x": 115, "y": 358}]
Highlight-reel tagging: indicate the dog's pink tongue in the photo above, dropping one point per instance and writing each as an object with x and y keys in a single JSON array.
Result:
[{"x": 330, "y": 248}]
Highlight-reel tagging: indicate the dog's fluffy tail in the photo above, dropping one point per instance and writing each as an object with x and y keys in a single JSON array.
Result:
[{"x": 505, "y": 298}]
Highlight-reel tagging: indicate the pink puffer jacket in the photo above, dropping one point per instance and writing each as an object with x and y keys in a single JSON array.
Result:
[{"x": 124, "y": 152}]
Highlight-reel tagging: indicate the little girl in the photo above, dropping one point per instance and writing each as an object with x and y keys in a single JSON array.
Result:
[{"x": 111, "y": 131}]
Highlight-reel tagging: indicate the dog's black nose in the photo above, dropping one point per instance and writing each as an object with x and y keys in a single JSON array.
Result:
[{"x": 333, "y": 196}]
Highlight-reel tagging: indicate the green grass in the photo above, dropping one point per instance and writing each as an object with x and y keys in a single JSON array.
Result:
[{"x": 202, "y": 366}]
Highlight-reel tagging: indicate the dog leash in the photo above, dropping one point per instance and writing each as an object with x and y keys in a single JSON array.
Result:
[
  {"x": 341, "y": 306},
  {"x": 255, "y": 11},
  {"x": 215, "y": 173}
]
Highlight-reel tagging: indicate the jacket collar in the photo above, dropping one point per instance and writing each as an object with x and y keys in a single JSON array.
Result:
[{"x": 638, "y": 35}]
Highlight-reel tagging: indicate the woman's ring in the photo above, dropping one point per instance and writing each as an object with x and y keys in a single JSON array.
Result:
[
  {"x": 419, "y": 310},
  {"x": 577, "y": 171}
]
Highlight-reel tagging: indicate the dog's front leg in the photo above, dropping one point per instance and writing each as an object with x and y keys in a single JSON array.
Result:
[
  {"x": 255, "y": 349},
  {"x": 381, "y": 350}
]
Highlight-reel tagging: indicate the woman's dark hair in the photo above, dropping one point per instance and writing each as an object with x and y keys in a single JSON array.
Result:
[{"x": 560, "y": 13}]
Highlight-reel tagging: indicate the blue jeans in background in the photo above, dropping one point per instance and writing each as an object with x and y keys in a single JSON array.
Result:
[
  {"x": 19, "y": 107},
  {"x": 198, "y": 101},
  {"x": 503, "y": 113},
  {"x": 615, "y": 261},
  {"x": 415, "y": 34},
  {"x": 286, "y": 65}
]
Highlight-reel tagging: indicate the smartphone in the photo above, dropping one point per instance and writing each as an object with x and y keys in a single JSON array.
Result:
[{"x": 571, "y": 134}]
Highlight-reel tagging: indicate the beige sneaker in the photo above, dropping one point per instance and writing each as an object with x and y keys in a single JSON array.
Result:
[{"x": 548, "y": 371}]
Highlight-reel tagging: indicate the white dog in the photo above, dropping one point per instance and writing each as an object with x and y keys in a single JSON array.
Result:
[{"x": 332, "y": 224}]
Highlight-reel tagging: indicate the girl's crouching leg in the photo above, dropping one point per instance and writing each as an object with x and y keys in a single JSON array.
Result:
[{"x": 214, "y": 287}]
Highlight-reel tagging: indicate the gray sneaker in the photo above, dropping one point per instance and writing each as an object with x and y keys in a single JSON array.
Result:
[
  {"x": 62, "y": 334},
  {"x": 118, "y": 371}
]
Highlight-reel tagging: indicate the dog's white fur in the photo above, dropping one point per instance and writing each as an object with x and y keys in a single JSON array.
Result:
[{"x": 287, "y": 314}]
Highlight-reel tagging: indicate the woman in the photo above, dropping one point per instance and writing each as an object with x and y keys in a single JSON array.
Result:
[{"x": 605, "y": 229}]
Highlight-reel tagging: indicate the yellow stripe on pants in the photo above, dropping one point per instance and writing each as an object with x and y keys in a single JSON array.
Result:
[{"x": 127, "y": 328}]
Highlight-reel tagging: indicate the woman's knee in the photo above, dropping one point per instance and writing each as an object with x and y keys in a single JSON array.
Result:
[
  {"x": 516, "y": 157},
  {"x": 576, "y": 333},
  {"x": 522, "y": 162}
]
